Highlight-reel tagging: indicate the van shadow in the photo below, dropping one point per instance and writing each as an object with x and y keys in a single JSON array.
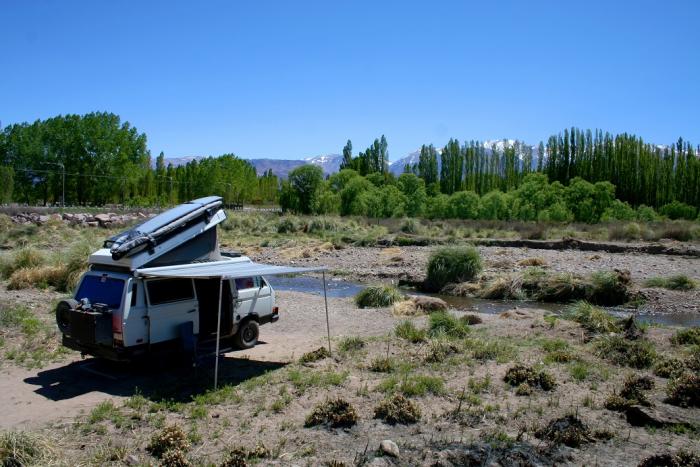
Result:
[{"x": 161, "y": 380}]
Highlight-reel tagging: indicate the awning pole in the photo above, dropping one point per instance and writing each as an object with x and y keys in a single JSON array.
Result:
[
  {"x": 218, "y": 336},
  {"x": 325, "y": 301}
]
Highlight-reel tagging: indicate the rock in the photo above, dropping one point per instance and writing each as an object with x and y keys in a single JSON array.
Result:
[
  {"x": 141, "y": 215},
  {"x": 56, "y": 217},
  {"x": 427, "y": 303},
  {"x": 131, "y": 459},
  {"x": 389, "y": 448},
  {"x": 378, "y": 462},
  {"x": 102, "y": 218},
  {"x": 93, "y": 223},
  {"x": 42, "y": 219},
  {"x": 659, "y": 416},
  {"x": 520, "y": 313}
]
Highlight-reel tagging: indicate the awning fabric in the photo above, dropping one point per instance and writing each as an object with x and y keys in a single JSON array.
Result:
[{"x": 228, "y": 269}]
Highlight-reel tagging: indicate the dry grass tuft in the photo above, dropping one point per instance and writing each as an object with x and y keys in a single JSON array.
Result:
[
  {"x": 540, "y": 262},
  {"x": 335, "y": 413},
  {"x": 397, "y": 409}
]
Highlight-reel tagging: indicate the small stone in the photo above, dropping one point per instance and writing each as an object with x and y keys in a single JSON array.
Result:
[
  {"x": 389, "y": 448},
  {"x": 131, "y": 459}
]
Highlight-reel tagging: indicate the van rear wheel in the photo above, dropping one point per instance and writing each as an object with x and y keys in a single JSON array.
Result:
[{"x": 247, "y": 335}]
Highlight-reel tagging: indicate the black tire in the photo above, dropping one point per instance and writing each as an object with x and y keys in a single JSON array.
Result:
[
  {"x": 247, "y": 335},
  {"x": 63, "y": 312}
]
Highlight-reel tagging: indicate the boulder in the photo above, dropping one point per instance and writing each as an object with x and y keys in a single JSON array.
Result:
[
  {"x": 427, "y": 303},
  {"x": 659, "y": 416},
  {"x": 389, "y": 448},
  {"x": 102, "y": 218},
  {"x": 93, "y": 223}
]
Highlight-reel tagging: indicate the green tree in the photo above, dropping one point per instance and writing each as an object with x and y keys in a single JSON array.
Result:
[
  {"x": 413, "y": 189},
  {"x": 305, "y": 182}
]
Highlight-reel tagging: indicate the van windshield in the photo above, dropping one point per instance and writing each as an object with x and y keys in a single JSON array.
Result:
[{"x": 101, "y": 289}]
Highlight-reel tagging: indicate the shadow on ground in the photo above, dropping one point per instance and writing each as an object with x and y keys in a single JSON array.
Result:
[{"x": 154, "y": 379}]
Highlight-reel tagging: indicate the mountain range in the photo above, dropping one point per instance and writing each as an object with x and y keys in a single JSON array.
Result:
[{"x": 330, "y": 163}]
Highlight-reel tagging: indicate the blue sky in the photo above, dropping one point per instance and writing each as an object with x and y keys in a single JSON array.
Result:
[{"x": 295, "y": 79}]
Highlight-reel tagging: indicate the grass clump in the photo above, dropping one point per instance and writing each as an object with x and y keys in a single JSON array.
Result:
[
  {"x": 238, "y": 456},
  {"x": 639, "y": 353},
  {"x": 677, "y": 282},
  {"x": 569, "y": 430},
  {"x": 397, "y": 409},
  {"x": 684, "y": 390},
  {"x": 472, "y": 319},
  {"x": 564, "y": 287},
  {"x": 20, "y": 448},
  {"x": 687, "y": 336},
  {"x": 632, "y": 393},
  {"x": 534, "y": 262},
  {"x": 382, "y": 365},
  {"x": 591, "y": 318},
  {"x": 306, "y": 378},
  {"x": 24, "y": 258},
  {"x": 334, "y": 413},
  {"x": 452, "y": 265},
  {"x": 558, "y": 351},
  {"x": 439, "y": 349},
  {"x": 174, "y": 458},
  {"x": 521, "y": 374},
  {"x": 443, "y": 323},
  {"x": 609, "y": 287},
  {"x": 315, "y": 355},
  {"x": 490, "y": 349},
  {"x": 377, "y": 296},
  {"x": 680, "y": 459},
  {"x": 169, "y": 438},
  {"x": 351, "y": 344},
  {"x": 668, "y": 367},
  {"x": 408, "y": 331},
  {"x": 413, "y": 385}
]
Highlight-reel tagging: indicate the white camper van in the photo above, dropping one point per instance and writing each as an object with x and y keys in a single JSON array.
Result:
[{"x": 152, "y": 286}]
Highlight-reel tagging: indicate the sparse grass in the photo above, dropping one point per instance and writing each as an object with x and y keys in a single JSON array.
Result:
[
  {"x": 452, "y": 265},
  {"x": 591, "y": 318},
  {"x": 383, "y": 365},
  {"x": 334, "y": 413},
  {"x": 687, "y": 336},
  {"x": 315, "y": 355},
  {"x": 377, "y": 296},
  {"x": 579, "y": 371},
  {"x": 444, "y": 323},
  {"x": 677, "y": 282},
  {"x": 413, "y": 385},
  {"x": 408, "y": 331},
  {"x": 21, "y": 448},
  {"x": 639, "y": 353},
  {"x": 490, "y": 349},
  {"x": 558, "y": 351},
  {"x": 439, "y": 348},
  {"x": 305, "y": 378},
  {"x": 397, "y": 409},
  {"x": 351, "y": 344}
]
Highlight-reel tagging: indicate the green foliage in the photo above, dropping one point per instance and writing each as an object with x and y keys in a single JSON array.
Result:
[
  {"x": 464, "y": 205},
  {"x": 408, "y": 331},
  {"x": 678, "y": 210},
  {"x": 444, "y": 323},
  {"x": 305, "y": 183},
  {"x": 609, "y": 288},
  {"x": 677, "y": 282},
  {"x": 413, "y": 385},
  {"x": 315, "y": 355},
  {"x": 638, "y": 353},
  {"x": 21, "y": 448},
  {"x": 684, "y": 390},
  {"x": 377, "y": 296},
  {"x": 591, "y": 318},
  {"x": 452, "y": 265},
  {"x": 687, "y": 336}
]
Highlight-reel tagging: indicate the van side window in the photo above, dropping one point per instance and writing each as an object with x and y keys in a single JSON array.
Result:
[
  {"x": 169, "y": 290},
  {"x": 248, "y": 283},
  {"x": 134, "y": 289}
]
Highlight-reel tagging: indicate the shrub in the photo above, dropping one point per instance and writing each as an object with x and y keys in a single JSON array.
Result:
[
  {"x": 568, "y": 430},
  {"x": 315, "y": 355},
  {"x": 451, "y": 265},
  {"x": 609, "y": 287},
  {"x": 687, "y": 336},
  {"x": 408, "y": 331},
  {"x": 677, "y": 210},
  {"x": 639, "y": 353},
  {"x": 397, "y": 409},
  {"x": 680, "y": 459},
  {"x": 334, "y": 413},
  {"x": 443, "y": 323},
  {"x": 684, "y": 390},
  {"x": 382, "y": 365},
  {"x": 591, "y": 318},
  {"x": 169, "y": 438},
  {"x": 677, "y": 282},
  {"x": 668, "y": 367},
  {"x": 377, "y": 296},
  {"x": 174, "y": 458},
  {"x": 633, "y": 389},
  {"x": 521, "y": 374}
]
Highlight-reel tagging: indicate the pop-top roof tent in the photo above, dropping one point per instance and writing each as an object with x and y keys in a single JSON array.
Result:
[{"x": 232, "y": 268}]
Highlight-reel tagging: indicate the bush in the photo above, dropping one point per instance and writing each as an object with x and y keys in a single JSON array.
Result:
[
  {"x": 668, "y": 367},
  {"x": 678, "y": 210},
  {"x": 568, "y": 430},
  {"x": 677, "y": 282},
  {"x": 443, "y": 323},
  {"x": 169, "y": 438},
  {"x": 408, "y": 331},
  {"x": 591, "y": 318},
  {"x": 521, "y": 374},
  {"x": 684, "y": 390},
  {"x": 397, "y": 409},
  {"x": 334, "y": 413},
  {"x": 377, "y": 296},
  {"x": 452, "y": 265},
  {"x": 687, "y": 336},
  {"x": 639, "y": 353}
]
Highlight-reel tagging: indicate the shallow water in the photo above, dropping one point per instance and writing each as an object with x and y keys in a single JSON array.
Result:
[{"x": 338, "y": 288}]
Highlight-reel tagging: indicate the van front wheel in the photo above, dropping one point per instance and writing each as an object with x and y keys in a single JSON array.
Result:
[{"x": 247, "y": 335}]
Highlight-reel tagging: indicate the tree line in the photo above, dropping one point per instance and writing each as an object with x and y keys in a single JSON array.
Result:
[{"x": 107, "y": 161}]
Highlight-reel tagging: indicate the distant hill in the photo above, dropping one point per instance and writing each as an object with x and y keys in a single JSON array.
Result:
[{"x": 330, "y": 163}]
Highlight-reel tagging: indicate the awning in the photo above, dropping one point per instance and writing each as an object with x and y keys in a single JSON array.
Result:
[
  {"x": 232, "y": 268},
  {"x": 227, "y": 269}
]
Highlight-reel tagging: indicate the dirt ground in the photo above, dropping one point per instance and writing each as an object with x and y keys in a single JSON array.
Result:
[{"x": 97, "y": 413}]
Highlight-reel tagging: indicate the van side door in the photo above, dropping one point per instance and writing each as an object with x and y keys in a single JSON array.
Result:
[{"x": 171, "y": 302}]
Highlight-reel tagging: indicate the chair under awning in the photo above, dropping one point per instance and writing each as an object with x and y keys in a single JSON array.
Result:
[{"x": 233, "y": 268}]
